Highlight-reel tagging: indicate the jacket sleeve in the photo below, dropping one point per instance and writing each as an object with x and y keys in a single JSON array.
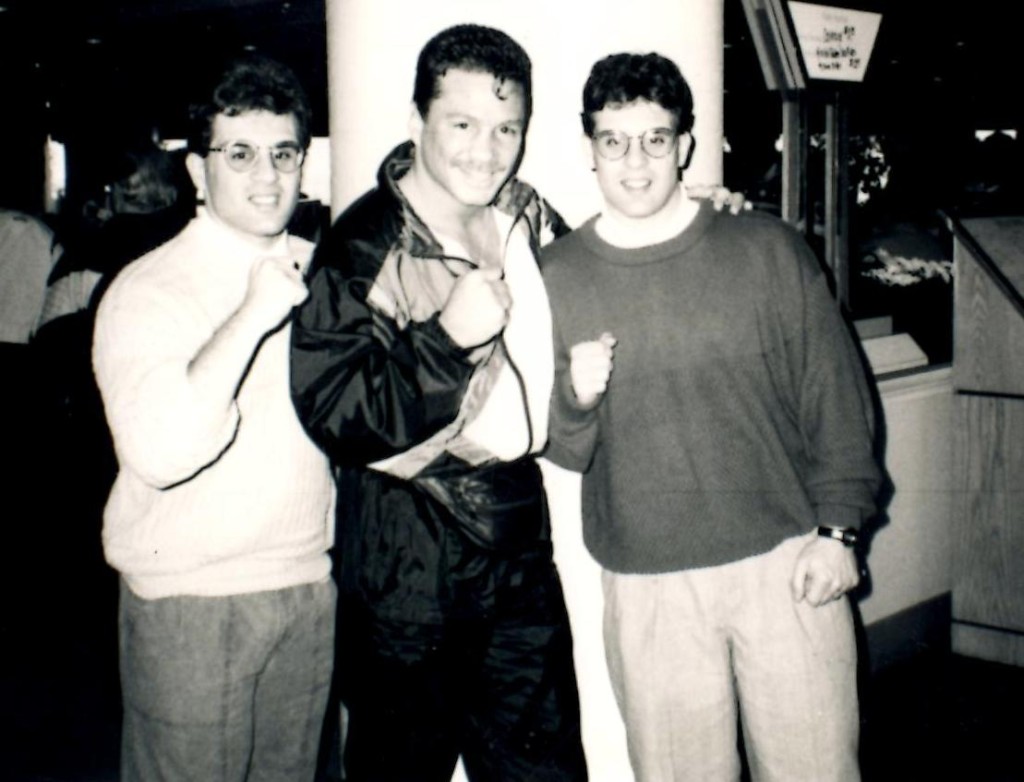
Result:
[
  {"x": 365, "y": 387},
  {"x": 834, "y": 406}
]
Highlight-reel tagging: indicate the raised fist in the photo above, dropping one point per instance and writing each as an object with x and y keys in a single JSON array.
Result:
[
  {"x": 275, "y": 287},
  {"x": 590, "y": 368},
  {"x": 477, "y": 308}
]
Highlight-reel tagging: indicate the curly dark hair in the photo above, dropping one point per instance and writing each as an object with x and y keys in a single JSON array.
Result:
[
  {"x": 249, "y": 83},
  {"x": 471, "y": 47},
  {"x": 619, "y": 79}
]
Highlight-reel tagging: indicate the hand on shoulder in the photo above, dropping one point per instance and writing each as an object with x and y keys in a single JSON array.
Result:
[{"x": 720, "y": 197}]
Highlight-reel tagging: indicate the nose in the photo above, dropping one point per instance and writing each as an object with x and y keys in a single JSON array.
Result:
[
  {"x": 484, "y": 147},
  {"x": 263, "y": 169},
  {"x": 635, "y": 155}
]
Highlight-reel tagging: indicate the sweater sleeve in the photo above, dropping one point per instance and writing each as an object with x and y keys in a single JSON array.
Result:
[
  {"x": 572, "y": 430},
  {"x": 164, "y": 430},
  {"x": 835, "y": 408},
  {"x": 365, "y": 386}
]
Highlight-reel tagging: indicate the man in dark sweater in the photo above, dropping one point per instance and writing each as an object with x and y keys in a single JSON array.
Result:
[{"x": 727, "y": 460}]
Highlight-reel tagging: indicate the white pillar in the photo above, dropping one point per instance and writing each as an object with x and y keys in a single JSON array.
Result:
[
  {"x": 373, "y": 44},
  {"x": 372, "y": 50}
]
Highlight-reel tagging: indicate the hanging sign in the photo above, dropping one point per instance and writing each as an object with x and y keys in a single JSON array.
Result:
[{"x": 835, "y": 43}]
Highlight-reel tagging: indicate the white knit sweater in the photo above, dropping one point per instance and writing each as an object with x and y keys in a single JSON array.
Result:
[{"x": 207, "y": 501}]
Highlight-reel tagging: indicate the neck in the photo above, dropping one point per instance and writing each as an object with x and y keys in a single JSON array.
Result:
[
  {"x": 621, "y": 230},
  {"x": 471, "y": 225},
  {"x": 254, "y": 240},
  {"x": 438, "y": 208}
]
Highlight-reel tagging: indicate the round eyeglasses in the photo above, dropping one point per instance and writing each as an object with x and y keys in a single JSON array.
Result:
[
  {"x": 241, "y": 155},
  {"x": 614, "y": 144}
]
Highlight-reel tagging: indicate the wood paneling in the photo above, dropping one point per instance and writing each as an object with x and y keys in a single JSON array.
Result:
[
  {"x": 988, "y": 352},
  {"x": 988, "y": 562},
  {"x": 988, "y": 373}
]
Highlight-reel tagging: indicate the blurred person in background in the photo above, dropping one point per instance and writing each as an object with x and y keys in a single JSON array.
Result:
[
  {"x": 147, "y": 200},
  {"x": 28, "y": 252}
]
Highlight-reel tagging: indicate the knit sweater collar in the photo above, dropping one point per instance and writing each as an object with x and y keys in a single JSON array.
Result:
[
  {"x": 652, "y": 253},
  {"x": 232, "y": 242}
]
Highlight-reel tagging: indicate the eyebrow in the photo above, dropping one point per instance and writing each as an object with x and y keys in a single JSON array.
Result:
[
  {"x": 247, "y": 142},
  {"x": 454, "y": 115},
  {"x": 608, "y": 131}
]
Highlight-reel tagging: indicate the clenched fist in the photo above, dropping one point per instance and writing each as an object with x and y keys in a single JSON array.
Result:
[
  {"x": 825, "y": 570},
  {"x": 590, "y": 368},
  {"x": 275, "y": 287},
  {"x": 477, "y": 308}
]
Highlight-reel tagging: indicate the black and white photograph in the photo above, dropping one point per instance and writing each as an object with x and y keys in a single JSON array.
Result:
[{"x": 489, "y": 391}]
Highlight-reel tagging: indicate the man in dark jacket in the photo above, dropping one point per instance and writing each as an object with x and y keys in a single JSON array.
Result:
[{"x": 422, "y": 365}]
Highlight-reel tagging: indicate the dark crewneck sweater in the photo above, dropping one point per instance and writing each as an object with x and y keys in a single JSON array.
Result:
[{"x": 738, "y": 413}]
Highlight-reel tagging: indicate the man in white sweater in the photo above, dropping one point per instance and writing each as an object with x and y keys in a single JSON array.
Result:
[{"x": 221, "y": 516}]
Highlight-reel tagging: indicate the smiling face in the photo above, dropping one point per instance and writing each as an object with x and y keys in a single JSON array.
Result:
[
  {"x": 259, "y": 202},
  {"x": 469, "y": 143},
  {"x": 637, "y": 186}
]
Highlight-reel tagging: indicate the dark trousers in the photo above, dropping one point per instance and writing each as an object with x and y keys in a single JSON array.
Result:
[
  {"x": 497, "y": 688},
  {"x": 225, "y": 689}
]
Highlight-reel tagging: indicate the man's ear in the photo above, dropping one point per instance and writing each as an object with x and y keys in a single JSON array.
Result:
[
  {"x": 684, "y": 150},
  {"x": 196, "y": 166},
  {"x": 587, "y": 148},
  {"x": 415, "y": 125}
]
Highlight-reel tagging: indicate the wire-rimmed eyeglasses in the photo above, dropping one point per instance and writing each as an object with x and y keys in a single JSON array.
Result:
[
  {"x": 240, "y": 156},
  {"x": 614, "y": 144}
]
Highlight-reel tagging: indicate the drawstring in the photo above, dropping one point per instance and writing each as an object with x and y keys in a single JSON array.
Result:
[
  {"x": 522, "y": 392},
  {"x": 445, "y": 260}
]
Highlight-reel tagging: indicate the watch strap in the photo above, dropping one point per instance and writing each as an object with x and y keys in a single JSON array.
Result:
[{"x": 845, "y": 535}]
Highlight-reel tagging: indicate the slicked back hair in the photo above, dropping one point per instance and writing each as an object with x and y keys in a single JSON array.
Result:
[{"x": 474, "y": 48}]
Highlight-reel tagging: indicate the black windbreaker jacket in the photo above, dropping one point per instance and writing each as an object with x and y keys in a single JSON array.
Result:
[{"x": 375, "y": 377}]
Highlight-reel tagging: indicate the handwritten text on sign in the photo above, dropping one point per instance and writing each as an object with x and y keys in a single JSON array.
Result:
[{"x": 836, "y": 43}]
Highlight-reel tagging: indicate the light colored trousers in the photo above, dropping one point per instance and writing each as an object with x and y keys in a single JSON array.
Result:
[{"x": 684, "y": 649}]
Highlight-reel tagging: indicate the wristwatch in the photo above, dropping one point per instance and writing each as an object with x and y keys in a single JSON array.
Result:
[{"x": 845, "y": 535}]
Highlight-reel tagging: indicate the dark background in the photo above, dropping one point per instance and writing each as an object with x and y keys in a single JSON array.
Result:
[{"x": 86, "y": 72}]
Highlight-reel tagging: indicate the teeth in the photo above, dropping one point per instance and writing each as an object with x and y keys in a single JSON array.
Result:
[
  {"x": 479, "y": 173},
  {"x": 267, "y": 200}
]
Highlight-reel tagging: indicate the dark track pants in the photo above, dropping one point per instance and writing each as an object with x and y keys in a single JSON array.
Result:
[{"x": 498, "y": 688}]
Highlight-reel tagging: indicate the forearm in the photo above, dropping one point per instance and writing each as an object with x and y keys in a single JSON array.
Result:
[
  {"x": 217, "y": 370},
  {"x": 572, "y": 429},
  {"x": 837, "y": 418},
  {"x": 166, "y": 425},
  {"x": 366, "y": 390}
]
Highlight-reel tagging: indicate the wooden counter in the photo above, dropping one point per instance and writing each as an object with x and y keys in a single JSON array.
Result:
[{"x": 988, "y": 378}]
